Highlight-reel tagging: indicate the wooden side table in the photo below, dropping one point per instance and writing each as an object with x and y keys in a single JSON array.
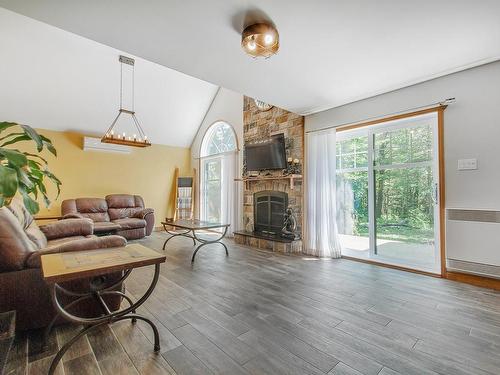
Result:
[{"x": 96, "y": 264}]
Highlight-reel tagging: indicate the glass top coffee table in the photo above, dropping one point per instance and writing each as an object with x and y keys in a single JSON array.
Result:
[{"x": 189, "y": 229}]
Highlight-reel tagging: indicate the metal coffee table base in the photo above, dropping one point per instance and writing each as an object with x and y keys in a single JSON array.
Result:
[
  {"x": 98, "y": 290},
  {"x": 194, "y": 237}
]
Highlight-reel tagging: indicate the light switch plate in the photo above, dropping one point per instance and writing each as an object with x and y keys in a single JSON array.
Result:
[{"x": 467, "y": 164}]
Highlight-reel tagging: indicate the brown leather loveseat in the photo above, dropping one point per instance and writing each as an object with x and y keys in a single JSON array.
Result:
[
  {"x": 22, "y": 242},
  {"x": 122, "y": 214}
]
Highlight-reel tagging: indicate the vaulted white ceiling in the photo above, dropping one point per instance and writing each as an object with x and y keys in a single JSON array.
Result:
[
  {"x": 332, "y": 51},
  {"x": 53, "y": 79}
]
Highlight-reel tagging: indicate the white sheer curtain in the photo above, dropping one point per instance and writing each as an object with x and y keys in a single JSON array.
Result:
[
  {"x": 229, "y": 192},
  {"x": 322, "y": 234}
]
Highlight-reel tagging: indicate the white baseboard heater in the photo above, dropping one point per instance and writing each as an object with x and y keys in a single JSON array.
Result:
[{"x": 473, "y": 241}]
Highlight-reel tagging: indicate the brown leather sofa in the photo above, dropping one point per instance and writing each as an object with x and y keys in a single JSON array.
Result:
[
  {"x": 22, "y": 242},
  {"x": 123, "y": 214}
]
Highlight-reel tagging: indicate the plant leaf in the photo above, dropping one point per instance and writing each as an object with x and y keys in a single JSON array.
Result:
[
  {"x": 51, "y": 148},
  {"x": 8, "y": 182},
  {"x": 30, "y": 132},
  {"x": 55, "y": 180},
  {"x": 20, "y": 138},
  {"x": 48, "y": 143},
  {"x": 23, "y": 178},
  {"x": 31, "y": 205},
  {"x": 10, "y": 135},
  {"x": 15, "y": 157},
  {"x": 36, "y": 156},
  {"x": 5, "y": 125}
]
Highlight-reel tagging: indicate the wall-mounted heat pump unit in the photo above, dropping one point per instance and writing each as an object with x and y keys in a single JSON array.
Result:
[{"x": 95, "y": 144}]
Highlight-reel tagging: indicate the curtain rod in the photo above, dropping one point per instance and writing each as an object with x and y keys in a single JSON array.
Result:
[{"x": 409, "y": 110}]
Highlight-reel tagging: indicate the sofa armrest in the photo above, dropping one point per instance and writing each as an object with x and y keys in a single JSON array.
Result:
[
  {"x": 89, "y": 243},
  {"x": 147, "y": 214},
  {"x": 73, "y": 215},
  {"x": 68, "y": 228},
  {"x": 142, "y": 213}
]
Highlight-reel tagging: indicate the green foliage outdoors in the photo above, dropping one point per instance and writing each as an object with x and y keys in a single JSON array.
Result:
[
  {"x": 24, "y": 172},
  {"x": 403, "y": 196}
]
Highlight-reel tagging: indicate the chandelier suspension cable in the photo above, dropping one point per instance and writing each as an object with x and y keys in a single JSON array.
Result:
[
  {"x": 109, "y": 136},
  {"x": 121, "y": 85}
]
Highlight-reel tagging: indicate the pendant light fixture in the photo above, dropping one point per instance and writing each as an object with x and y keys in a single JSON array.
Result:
[
  {"x": 260, "y": 40},
  {"x": 137, "y": 138}
]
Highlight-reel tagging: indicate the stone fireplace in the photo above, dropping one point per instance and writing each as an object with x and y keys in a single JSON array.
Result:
[{"x": 267, "y": 196}]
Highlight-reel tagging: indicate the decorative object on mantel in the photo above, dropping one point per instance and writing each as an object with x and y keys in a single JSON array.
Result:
[
  {"x": 263, "y": 106},
  {"x": 293, "y": 166},
  {"x": 138, "y": 139},
  {"x": 290, "y": 225},
  {"x": 7, "y": 334},
  {"x": 260, "y": 40}
]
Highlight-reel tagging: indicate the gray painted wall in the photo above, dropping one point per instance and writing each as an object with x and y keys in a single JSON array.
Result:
[{"x": 471, "y": 130}]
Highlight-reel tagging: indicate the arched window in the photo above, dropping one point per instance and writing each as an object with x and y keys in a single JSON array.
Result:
[
  {"x": 218, "y": 169},
  {"x": 218, "y": 139}
]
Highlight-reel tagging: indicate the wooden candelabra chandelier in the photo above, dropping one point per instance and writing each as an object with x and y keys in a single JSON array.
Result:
[{"x": 137, "y": 139}]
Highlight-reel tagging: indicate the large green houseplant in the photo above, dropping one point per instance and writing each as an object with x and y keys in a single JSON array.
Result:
[{"x": 24, "y": 172}]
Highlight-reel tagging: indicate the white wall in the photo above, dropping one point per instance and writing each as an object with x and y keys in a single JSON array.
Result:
[
  {"x": 53, "y": 79},
  {"x": 227, "y": 106},
  {"x": 471, "y": 130}
]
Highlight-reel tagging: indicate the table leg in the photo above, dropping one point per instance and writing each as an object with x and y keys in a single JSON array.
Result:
[
  {"x": 176, "y": 234},
  {"x": 207, "y": 242},
  {"x": 86, "y": 330},
  {"x": 98, "y": 290}
]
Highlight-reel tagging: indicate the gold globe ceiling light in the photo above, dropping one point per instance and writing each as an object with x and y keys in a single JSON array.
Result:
[{"x": 260, "y": 40}]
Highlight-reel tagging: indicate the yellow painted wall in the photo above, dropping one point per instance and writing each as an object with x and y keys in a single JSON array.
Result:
[{"x": 148, "y": 172}]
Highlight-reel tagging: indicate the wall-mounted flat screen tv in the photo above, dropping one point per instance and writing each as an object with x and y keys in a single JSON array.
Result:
[{"x": 266, "y": 155}]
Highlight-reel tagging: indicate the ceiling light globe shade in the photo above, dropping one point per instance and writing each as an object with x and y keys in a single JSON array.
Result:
[{"x": 260, "y": 40}]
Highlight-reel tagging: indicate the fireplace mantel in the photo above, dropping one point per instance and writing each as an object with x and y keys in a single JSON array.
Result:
[{"x": 291, "y": 177}]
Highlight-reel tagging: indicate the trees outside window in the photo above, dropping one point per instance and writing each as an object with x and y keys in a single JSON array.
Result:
[{"x": 218, "y": 169}]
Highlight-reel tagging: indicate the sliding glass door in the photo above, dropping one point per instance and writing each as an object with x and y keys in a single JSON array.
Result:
[{"x": 387, "y": 192}]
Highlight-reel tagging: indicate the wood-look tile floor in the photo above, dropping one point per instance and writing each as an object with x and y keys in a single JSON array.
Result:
[{"x": 262, "y": 313}]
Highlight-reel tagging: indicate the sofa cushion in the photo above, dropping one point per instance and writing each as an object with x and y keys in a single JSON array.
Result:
[
  {"x": 120, "y": 200},
  {"x": 124, "y": 205},
  {"x": 105, "y": 226},
  {"x": 132, "y": 234},
  {"x": 92, "y": 208},
  {"x": 29, "y": 225},
  {"x": 88, "y": 243},
  {"x": 15, "y": 244},
  {"x": 60, "y": 241},
  {"x": 130, "y": 223},
  {"x": 68, "y": 228}
]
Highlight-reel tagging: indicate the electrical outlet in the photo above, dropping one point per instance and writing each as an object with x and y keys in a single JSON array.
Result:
[{"x": 467, "y": 164}]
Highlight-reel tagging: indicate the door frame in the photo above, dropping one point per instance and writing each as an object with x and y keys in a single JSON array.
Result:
[
  {"x": 441, "y": 181},
  {"x": 203, "y": 160}
]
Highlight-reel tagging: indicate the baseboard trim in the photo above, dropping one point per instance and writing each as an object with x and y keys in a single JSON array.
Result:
[
  {"x": 476, "y": 280},
  {"x": 386, "y": 265},
  {"x": 473, "y": 268}
]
